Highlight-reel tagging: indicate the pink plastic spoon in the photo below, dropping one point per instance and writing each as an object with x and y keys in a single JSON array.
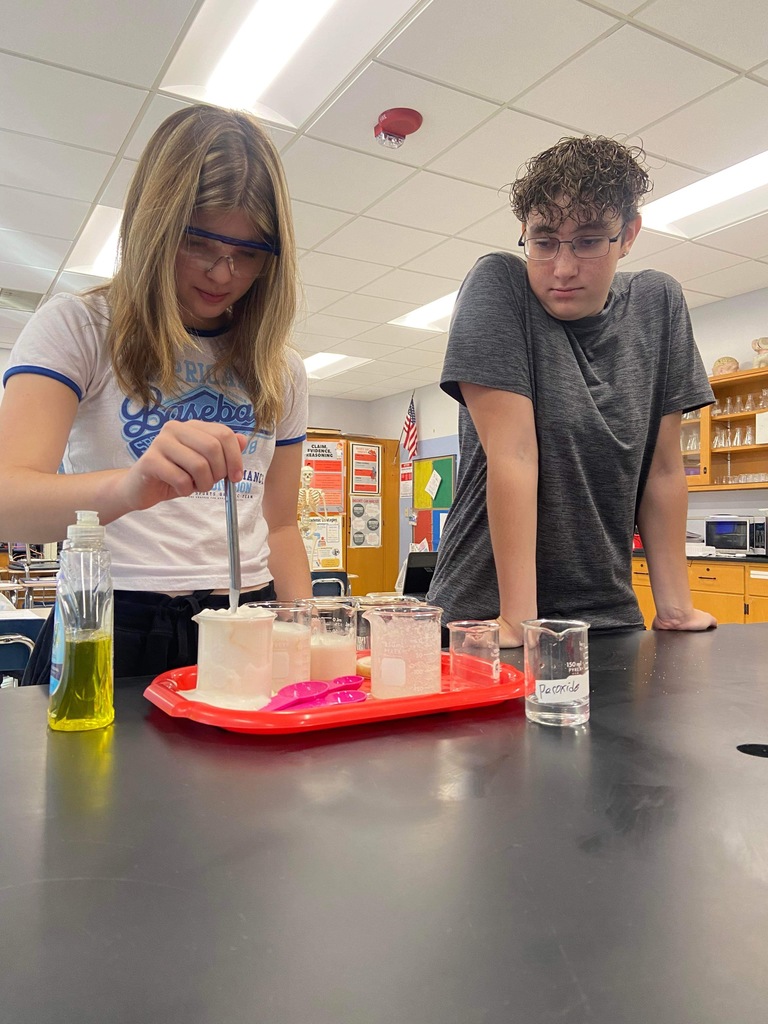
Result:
[{"x": 300, "y": 693}]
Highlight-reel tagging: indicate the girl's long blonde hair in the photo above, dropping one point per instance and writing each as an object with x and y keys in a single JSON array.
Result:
[{"x": 203, "y": 158}]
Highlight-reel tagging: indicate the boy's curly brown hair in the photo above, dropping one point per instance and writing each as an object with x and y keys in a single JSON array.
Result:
[{"x": 589, "y": 177}]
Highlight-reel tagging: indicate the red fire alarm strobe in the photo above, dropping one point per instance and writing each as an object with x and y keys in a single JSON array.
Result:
[{"x": 393, "y": 126}]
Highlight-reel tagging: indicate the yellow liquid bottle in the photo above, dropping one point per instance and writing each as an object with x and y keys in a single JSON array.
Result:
[
  {"x": 83, "y": 698},
  {"x": 82, "y": 684}
]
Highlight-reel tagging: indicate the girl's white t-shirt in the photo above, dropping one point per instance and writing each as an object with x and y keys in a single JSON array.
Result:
[{"x": 181, "y": 544}]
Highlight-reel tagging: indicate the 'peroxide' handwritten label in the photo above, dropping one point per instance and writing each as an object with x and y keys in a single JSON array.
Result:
[{"x": 560, "y": 691}]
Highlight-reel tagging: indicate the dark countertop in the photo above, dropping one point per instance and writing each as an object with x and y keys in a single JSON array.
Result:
[
  {"x": 466, "y": 868},
  {"x": 639, "y": 553}
]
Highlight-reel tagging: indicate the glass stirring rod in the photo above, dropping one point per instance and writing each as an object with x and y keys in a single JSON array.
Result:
[{"x": 233, "y": 545}]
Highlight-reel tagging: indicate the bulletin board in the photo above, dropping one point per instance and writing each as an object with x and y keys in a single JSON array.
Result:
[
  {"x": 428, "y": 527},
  {"x": 441, "y": 497}
]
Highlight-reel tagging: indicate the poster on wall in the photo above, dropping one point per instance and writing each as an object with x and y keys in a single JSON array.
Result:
[
  {"x": 365, "y": 522},
  {"x": 433, "y": 482},
  {"x": 324, "y": 542},
  {"x": 327, "y": 461},
  {"x": 365, "y": 469},
  {"x": 406, "y": 479}
]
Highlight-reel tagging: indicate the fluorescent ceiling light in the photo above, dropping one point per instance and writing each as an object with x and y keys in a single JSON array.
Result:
[
  {"x": 95, "y": 252},
  {"x": 717, "y": 201},
  {"x": 435, "y": 316},
  {"x": 330, "y": 364},
  {"x": 269, "y": 37}
]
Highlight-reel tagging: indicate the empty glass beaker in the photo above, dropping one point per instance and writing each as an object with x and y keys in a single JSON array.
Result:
[
  {"x": 474, "y": 652},
  {"x": 556, "y": 671},
  {"x": 405, "y": 650}
]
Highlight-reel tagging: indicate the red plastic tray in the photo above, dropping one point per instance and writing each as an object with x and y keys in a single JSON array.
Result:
[{"x": 167, "y": 693}]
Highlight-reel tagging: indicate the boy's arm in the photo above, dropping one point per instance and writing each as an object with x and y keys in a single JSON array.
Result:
[
  {"x": 505, "y": 425},
  {"x": 661, "y": 519}
]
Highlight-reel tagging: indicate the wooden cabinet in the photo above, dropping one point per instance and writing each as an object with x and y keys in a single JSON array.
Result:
[
  {"x": 716, "y": 587},
  {"x": 719, "y": 443},
  {"x": 756, "y": 593}
]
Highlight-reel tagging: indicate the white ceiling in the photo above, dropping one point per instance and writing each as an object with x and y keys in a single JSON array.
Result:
[{"x": 384, "y": 231}]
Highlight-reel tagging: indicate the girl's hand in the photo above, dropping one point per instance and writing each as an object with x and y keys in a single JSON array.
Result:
[{"x": 183, "y": 458}]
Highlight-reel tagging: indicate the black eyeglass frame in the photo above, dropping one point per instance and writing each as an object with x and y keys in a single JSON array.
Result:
[
  {"x": 570, "y": 242},
  {"x": 241, "y": 243}
]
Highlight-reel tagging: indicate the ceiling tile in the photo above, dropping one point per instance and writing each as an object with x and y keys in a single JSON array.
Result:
[
  {"x": 65, "y": 106},
  {"x": 333, "y": 326},
  {"x": 453, "y": 258},
  {"x": 328, "y": 271},
  {"x": 116, "y": 190},
  {"x": 410, "y": 287},
  {"x": 40, "y": 214},
  {"x": 393, "y": 336},
  {"x": 119, "y": 46},
  {"x": 736, "y": 32},
  {"x": 159, "y": 108},
  {"x": 447, "y": 114},
  {"x": 493, "y": 153},
  {"x": 24, "y": 278},
  {"x": 418, "y": 376},
  {"x": 624, "y": 56},
  {"x": 686, "y": 261},
  {"x": 11, "y": 319},
  {"x": 369, "y": 307},
  {"x": 499, "y": 231},
  {"x": 746, "y": 277},
  {"x": 367, "y": 350},
  {"x": 647, "y": 244},
  {"x": 736, "y": 117},
  {"x": 495, "y": 47},
  {"x": 667, "y": 177},
  {"x": 318, "y": 298},
  {"x": 694, "y": 299},
  {"x": 33, "y": 250},
  {"x": 748, "y": 239},
  {"x": 436, "y": 344},
  {"x": 375, "y": 239},
  {"x": 414, "y": 356},
  {"x": 309, "y": 344},
  {"x": 73, "y": 283},
  {"x": 320, "y": 173},
  {"x": 43, "y": 166},
  {"x": 437, "y": 203},
  {"x": 314, "y": 223}
]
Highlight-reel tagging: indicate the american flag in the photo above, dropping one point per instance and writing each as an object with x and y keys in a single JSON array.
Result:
[{"x": 410, "y": 433}]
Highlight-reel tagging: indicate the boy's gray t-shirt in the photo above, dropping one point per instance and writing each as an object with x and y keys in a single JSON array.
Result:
[{"x": 599, "y": 388}]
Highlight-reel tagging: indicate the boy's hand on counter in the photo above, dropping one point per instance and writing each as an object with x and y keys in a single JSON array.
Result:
[
  {"x": 509, "y": 636},
  {"x": 693, "y": 621}
]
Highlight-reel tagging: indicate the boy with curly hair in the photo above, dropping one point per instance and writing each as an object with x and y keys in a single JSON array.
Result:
[{"x": 572, "y": 380}]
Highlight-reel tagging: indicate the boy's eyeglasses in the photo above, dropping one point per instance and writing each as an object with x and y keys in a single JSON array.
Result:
[
  {"x": 202, "y": 249},
  {"x": 586, "y": 247}
]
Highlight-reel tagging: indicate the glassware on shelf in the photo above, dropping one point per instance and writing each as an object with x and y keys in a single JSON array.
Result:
[
  {"x": 749, "y": 435},
  {"x": 764, "y": 398},
  {"x": 736, "y": 438},
  {"x": 717, "y": 409},
  {"x": 728, "y": 407},
  {"x": 750, "y": 402},
  {"x": 738, "y": 404}
]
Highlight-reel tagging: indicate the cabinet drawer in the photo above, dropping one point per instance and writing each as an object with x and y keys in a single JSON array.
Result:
[
  {"x": 715, "y": 576},
  {"x": 640, "y": 571},
  {"x": 757, "y": 581}
]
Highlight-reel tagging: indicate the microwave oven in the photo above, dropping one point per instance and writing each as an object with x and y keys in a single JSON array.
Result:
[{"x": 736, "y": 535}]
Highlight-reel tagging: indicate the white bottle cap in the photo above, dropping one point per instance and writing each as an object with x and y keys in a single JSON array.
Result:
[{"x": 86, "y": 528}]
